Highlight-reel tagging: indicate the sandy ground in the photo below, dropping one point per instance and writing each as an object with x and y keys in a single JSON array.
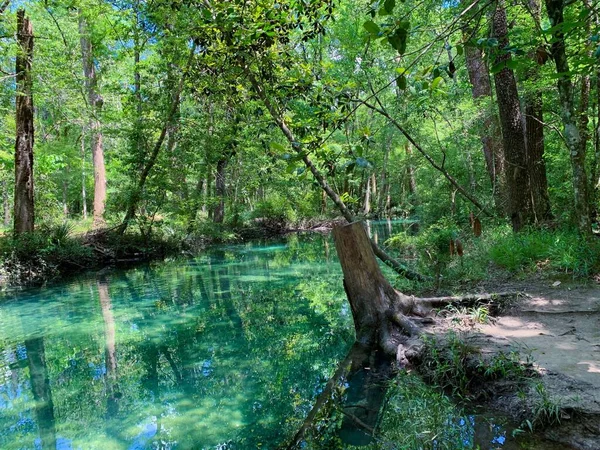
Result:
[{"x": 559, "y": 328}]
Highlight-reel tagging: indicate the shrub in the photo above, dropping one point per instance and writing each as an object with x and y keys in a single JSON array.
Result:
[{"x": 43, "y": 254}]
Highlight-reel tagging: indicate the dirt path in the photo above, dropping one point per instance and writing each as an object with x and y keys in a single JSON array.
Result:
[{"x": 559, "y": 327}]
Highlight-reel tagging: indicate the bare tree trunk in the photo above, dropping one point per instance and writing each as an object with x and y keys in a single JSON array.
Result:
[
  {"x": 204, "y": 195},
  {"x": 369, "y": 293},
  {"x": 65, "y": 188},
  {"x": 383, "y": 184},
  {"x": 219, "y": 213},
  {"x": 490, "y": 135},
  {"x": 595, "y": 182},
  {"x": 538, "y": 182},
  {"x": 534, "y": 135},
  {"x": 6, "y": 203},
  {"x": 573, "y": 135},
  {"x": 24, "y": 212},
  {"x": 83, "y": 176},
  {"x": 513, "y": 134},
  {"x": 367, "y": 202},
  {"x": 95, "y": 102}
]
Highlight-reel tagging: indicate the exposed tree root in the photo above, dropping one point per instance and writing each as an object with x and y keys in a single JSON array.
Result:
[{"x": 386, "y": 321}]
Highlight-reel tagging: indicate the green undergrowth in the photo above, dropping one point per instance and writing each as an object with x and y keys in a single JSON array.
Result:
[
  {"x": 498, "y": 253},
  {"x": 54, "y": 251},
  {"x": 461, "y": 370}
]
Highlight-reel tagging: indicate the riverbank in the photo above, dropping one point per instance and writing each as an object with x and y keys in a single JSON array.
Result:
[
  {"x": 55, "y": 252},
  {"x": 535, "y": 360}
]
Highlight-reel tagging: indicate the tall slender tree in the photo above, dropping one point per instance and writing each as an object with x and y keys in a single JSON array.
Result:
[
  {"x": 534, "y": 130},
  {"x": 95, "y": 102},
  {"x": 24, "y": 213},
  {"x": 574, "y": 136},
  {"x": 490, "y": 134},
  {"x": 511, "y": 120}
]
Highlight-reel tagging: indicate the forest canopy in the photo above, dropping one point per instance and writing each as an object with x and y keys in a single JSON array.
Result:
[{"x": 184, "y": 117}]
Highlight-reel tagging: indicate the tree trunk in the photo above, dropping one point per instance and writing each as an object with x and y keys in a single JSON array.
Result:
[
  {"x": 490, "y": 133},
  {"x": 369, "y": 293},
  {"x": 83, "y": 177},
  {"x": 367, "y": 202},
  {"x": 383, "y": 184},
  {"x": 534, "y": 134},
  {"x": 595, "y": 183},
  {"x": 95, "y": 103},
  {"x": 573, "y": 135},
  {"x": 538, "y": 182},
  {"x": 219, "y": 213},
  {"x": 6, "y": 203},
  {"x": 24, "y": 213},
  {"x": 40, "y": 385},
  {"x": 65, "y": 188},
  {"x": 513, "y": 136}
]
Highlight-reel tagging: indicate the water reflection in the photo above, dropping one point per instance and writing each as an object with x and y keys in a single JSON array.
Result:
[{"x": 40, "y": 386}]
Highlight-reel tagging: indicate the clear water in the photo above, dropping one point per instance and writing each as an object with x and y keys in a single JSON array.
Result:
[
  {"x": 224, "y": 351},
  {"x": 227, "y": 348}
]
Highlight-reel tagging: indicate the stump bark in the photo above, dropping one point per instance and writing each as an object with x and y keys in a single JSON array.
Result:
[{"x": 379, "y": 311}]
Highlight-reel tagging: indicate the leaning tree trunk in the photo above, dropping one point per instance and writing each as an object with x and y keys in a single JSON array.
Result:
[
  {"x": 513, "y": 136},
  {"x": 573, "y": 135},
  {"x": 95, "y": 103},
  {"x": 24, "y": 214}
]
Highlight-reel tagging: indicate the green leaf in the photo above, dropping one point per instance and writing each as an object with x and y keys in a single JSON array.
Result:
[
  {"x": 372, "y": 27},
  {"x": 401, "y": 82},
  {"x": 436, "y": 82},
  {"x": 401, "y": 70},
  {"x": 398, "y": 40},
  {"x": 389, "y": 5},
  {"x": 512, "y": 64},
  {"x": 459, "y": 50},
  {"x": 498, "y": 67},
  {"x": 277, "y": 146},
  {"x": 597, "y": 52}
]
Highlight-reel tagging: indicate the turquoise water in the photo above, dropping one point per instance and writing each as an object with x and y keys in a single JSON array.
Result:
[{"x": 224, "y": 350}]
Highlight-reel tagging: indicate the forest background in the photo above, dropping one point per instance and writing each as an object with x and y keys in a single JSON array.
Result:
[{"x": 165, "y": 123}]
